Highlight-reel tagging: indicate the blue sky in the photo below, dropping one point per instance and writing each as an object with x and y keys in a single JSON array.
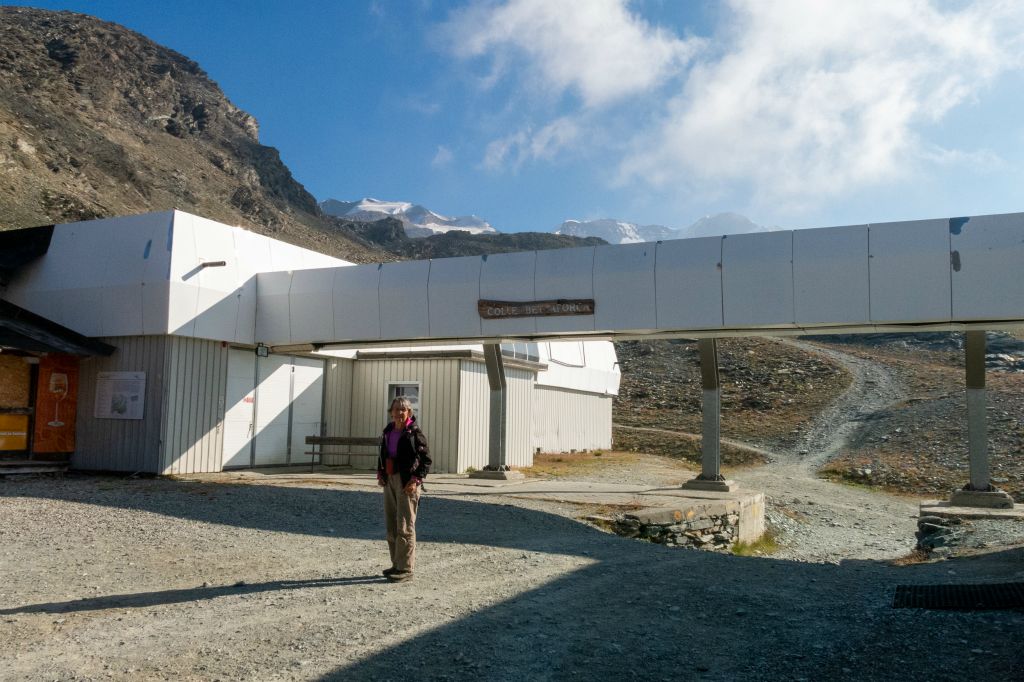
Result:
[{"x": 797, "y": 113}]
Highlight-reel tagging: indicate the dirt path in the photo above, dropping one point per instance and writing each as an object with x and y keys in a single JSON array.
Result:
[
  {"x": 873, "y": 387},
  {"x": 818, "y": 520}
]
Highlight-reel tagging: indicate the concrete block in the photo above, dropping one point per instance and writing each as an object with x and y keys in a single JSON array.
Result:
[
  {"x": 996, "y": 499},
  {"x": 716, "y": 486},
  {"x": 657, "y": 516}
]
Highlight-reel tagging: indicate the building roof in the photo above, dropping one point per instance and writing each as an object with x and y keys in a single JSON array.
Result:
[{"x": 25, "y": 331}]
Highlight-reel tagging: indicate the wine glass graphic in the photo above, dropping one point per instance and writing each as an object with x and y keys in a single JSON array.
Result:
[{"x": 59, "y": 387}]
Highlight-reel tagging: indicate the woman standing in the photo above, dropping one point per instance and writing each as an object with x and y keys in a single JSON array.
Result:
[{"x": 401, "y": 467}]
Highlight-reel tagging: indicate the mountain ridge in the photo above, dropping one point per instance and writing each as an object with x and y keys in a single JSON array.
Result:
[
  {"x": 101, "y": 121},
  {"x": 418, "y": 220}
]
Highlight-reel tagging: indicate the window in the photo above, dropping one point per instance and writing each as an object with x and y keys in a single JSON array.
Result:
[
  {"x": 410, "y": 391},
  {"x": 521, "y": 351}
]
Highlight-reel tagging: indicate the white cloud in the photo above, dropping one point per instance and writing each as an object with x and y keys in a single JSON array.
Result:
[
  {"x": 443, "y": 157},
  {"x": 526, "y": 145},
  {"x": 816, "y": 98},
  {"x": 595, "y": 48},
  {"x": 793, "y": 100}
]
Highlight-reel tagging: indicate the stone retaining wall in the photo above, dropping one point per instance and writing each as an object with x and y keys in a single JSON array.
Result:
[{"x": 712, "y": 526}]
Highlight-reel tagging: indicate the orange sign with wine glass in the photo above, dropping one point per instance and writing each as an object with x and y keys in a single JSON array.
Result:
[{"x": 56, "y": 404}]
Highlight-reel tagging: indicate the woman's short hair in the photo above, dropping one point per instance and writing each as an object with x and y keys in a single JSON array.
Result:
[{"x": 401, "y": 401}]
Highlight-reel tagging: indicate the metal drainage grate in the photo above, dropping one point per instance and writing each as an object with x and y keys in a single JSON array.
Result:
[{"x": 960, "y": 597}]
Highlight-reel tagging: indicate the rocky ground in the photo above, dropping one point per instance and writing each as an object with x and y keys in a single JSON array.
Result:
[
  {"x": 771, "y": 390},
  {"x": 914, "y": 441},
  {"x": 918, "y": 444},
  {"x": 133, "y": 579}
]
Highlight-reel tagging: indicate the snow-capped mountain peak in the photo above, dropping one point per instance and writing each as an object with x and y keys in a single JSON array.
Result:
[
  {"x": 418, "y": 220},
  {"x": 621, "y": 232},
  {"x": 615, "y": 231}
]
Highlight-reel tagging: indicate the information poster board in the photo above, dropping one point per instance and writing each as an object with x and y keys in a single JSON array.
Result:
[{"x": 120, "y": 395}]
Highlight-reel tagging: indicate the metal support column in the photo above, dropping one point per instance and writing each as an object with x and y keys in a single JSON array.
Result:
[
  {"x": 979, "y": 492},
  {"x": 710, "y": 477},
  {"x": 497, "y": 441}
]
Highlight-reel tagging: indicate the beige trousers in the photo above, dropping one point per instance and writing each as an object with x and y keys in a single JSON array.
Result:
[{"x": 400, "y": 519}]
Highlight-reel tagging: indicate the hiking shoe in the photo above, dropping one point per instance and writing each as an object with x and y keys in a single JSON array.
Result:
[
  {"x": 400, "y": 576},
  {"x": 389, "y": 571}
]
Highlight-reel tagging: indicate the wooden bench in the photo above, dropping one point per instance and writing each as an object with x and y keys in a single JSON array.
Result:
[{"x": 316, "y": 445}]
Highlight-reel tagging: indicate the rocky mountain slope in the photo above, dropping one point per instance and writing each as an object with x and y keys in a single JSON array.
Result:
[
  {"x": 391, "y": 234},
  {"x": 770, "y": 392},
  {"x": 96, "y": 120},
  {"x": 773, "y": 392}
]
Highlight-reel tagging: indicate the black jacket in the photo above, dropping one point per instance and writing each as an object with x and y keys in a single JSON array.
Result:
[{"x": 413, "y": 457}]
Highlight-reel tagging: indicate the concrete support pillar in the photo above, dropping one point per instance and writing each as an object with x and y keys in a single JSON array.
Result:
[
  {"x": 977, "y": 426},
  {"x": 710, "y": 477},
  {"x": 979, "y": 492},
  {"x": 497, "y": 441}
]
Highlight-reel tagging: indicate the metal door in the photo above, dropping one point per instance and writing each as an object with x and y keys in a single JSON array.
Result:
[
  {"x": 307, "y": 403},
  {"x": 239, "y": 408},
  {"x": 273, "y": 395}
]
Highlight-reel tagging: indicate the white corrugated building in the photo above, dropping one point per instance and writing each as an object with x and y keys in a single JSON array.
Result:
[{"x": 189, "y": 389}]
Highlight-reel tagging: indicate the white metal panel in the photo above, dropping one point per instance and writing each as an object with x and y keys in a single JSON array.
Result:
[
  {"x": 474, "y": 417},
  {"x": 830, "y": 275},
  {"x": 404, "y": 308},
  {"x": 570, "y": 420},
  {"x": 337, "y": 415},
  {"x": 155, "y": 277},
  {"x": 245, "y": 323},
  {"x": 519, "y": 452},
  {"x": 285, "y": 256},
  {"x": 273, "y": 311},
  {"x": 253, "y": 253},
  {"x": 252, "y": 256},
  {"x": 183, "y": 304},
  {"x": 83, "y": 309},
  {"x": 589, "y": 366},
  {"x": 307, "y": 404},
  {"x": 910, "y": 271},
  {"x": 624, "y": 287},
  {"x": 688, "y": 283},
  {"x": 239, "y": 413},
  {"x": 508, "y": 277},
  {"x": 155, "y": 307},
  {"x": 217, "y": 302},
  {"x": 453, "y": 291},
  {"x": 311, "y": 301},
  {"x": 565, "y": 273},
  {"x": 987, "y": 255},
  {"x": 757, "y": 279},
  {"x": 195, "y": 379},
  {"x": 273, "y": 395},
  {"x": 124, "y": 276},
  {"x": 357, "y": 302}
]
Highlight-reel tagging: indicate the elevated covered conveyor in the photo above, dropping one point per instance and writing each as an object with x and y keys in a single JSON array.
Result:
[
  {"x": 944, "y": 274},
  {"x": 954, "y": 273}
]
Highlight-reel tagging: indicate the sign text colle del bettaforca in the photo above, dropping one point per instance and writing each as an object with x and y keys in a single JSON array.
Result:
[{"x": 496, "y": 310}]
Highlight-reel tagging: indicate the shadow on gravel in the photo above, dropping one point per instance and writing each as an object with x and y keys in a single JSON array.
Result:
[
  {"x": 636, "y": 611},
  {"x": 645, "y": 612},
  {"x": 164, "y": 597}
]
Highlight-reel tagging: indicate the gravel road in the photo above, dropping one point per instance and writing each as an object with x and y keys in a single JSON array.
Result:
[{"x": 129, "y": 579}]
